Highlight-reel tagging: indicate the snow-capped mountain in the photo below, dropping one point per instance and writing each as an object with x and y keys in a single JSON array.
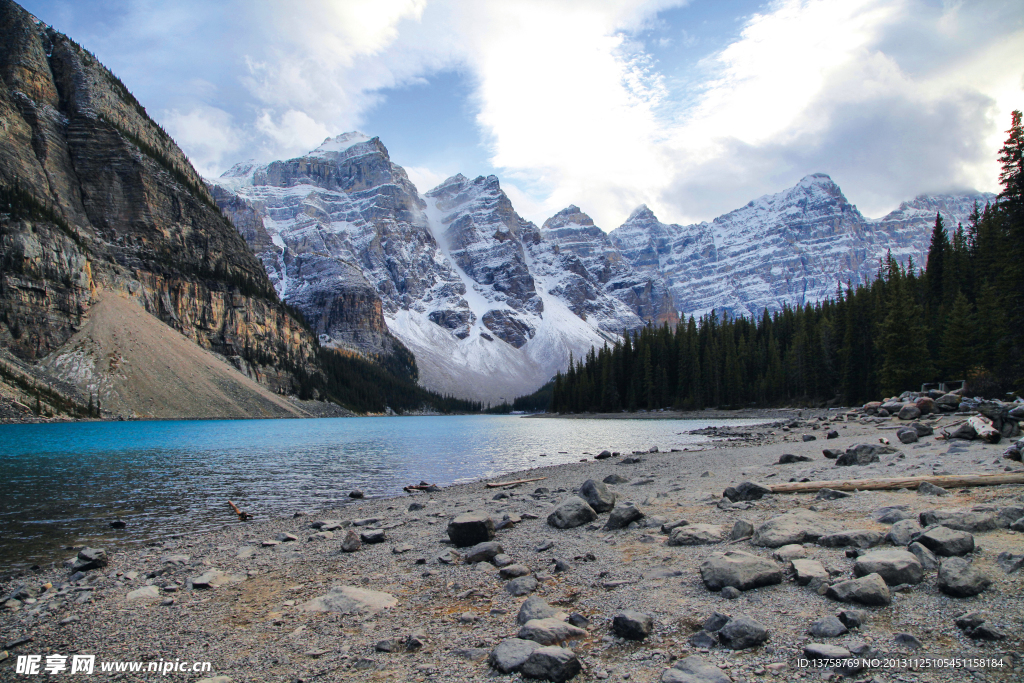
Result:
[
  {"x": 792, "y": 247},
  {"x": 476, "y": 292},
  {"x": 491, "y": 305}
]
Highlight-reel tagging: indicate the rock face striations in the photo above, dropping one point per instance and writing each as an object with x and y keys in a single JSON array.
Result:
[{"x": 97, "y": 198}]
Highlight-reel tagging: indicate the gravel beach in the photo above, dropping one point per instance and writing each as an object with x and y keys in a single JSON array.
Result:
[{"x": 281, "y": 600}]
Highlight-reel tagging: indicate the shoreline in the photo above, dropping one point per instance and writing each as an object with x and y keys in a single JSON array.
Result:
[{"x": 254, "y": 626}]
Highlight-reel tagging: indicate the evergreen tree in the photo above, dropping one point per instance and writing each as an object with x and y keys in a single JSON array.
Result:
[
  {"x": 938, "y": 252},
  {"x": 902, "y": 337},
  {"x": 958, "y": 339}
]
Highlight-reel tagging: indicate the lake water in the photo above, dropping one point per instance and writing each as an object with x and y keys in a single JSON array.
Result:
[{"x": 62, "y": 484}]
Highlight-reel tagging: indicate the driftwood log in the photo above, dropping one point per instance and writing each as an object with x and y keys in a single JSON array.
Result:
[
  {"x": 984, "y": 429},
  {"x": 946, "y": 481},
  {"x": 242, "y": 515},
  {"x": 429, "y": 488},
  {"x": 499, "y": 484}
]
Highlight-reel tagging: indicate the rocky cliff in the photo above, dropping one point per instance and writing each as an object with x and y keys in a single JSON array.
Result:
[{"x": 97, "y": 197}]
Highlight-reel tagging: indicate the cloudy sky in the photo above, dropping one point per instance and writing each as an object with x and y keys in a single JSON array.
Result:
[{"x": 692, "y": 107}]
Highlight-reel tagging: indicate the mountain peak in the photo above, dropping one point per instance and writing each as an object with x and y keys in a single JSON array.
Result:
[
  {"x": 340, "y": 143},
  {"x": 819, "y": 179},
  {"x": 569, "y": 215},
  {"x": 642, "y": 213}
]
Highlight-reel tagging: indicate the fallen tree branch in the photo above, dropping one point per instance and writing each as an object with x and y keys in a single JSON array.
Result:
[
  {"x": 242, "y": 516},
  {"x": 498, "y": 484},
  {"x": 945, "y": 481}
]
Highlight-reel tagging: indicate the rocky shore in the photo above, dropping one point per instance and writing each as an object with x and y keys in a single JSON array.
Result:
[{"x": 626, "y": 567}]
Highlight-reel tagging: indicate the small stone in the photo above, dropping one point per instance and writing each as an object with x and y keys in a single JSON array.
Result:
[
  {"x": 351, "y": 542},
  {"x": 549, "y": 631},
  {"x": 632, "y": 625},
  {"x": 355, "y": 494},
  {"x": 373, "y": 536},
  {"x": 703, "y": 640},
  {"x": 831, "y": 434},
  {"x": 831, "y": 453},
  {"x": 971, "y": 620},
  {"x": 902, "y": 532},
  {"x": 986, "y": 631},
  {"x": 891, "y": 514},
  {"x": 741, "y": 528},
  {"x": 695, "y": 534},
  {"x": 730, "y": 593},
  {"x": 578, "y": 620},
  {"x": 809, "y": 437},
  {"x": 827, "y": 627},
  {"x": 741, "y": 632},
  {"x": 858, "y": 538},
  {"x": 831, "y": 494},
  {"x": 694, "y": 669},
  {"x": 787, "y": 553},
  {"x": 615, "y": 479},
  {"x": 789, "y": 458},
  {"x": 147, "y": 593},
  {"x": 907, "y": 435},
  {"x": 924, "y": 556},
  {"x": 285, "y": 537},
  {"x": 853, "y": 618},
  {"x": 929, "y": 489},
  {"x": 535, "y": 608},
  {"x": 524, "y": 585},
  {"x": 808, "y": 571},
  {"x": 483, "y": 552},
  {"x": 747, "y": 490},
  {"x": 514, "y": 570},
  {"x": 908, "y": 641}
]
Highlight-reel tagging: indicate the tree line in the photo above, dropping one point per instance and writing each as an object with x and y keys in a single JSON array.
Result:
[{"x": 959, "y": 317}]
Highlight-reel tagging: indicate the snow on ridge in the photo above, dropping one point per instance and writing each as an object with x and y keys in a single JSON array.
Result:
[{"x": 339, "y": 143}]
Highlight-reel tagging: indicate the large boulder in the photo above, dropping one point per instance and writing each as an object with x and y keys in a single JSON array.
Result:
[
  {"x": 963, "y": 520},
  {"x": 470, "y": 528},
  {"x": 795, "y": 526},
  {"x": 597, "y": 495},
  {"x": 946, "y": 542},
  {"x": 738, "y": 569},
  {"x": 957, "y": 577},
  {"x": 868, "y": 590},
  {"x": 806, "y": 571},
  {"x": 89, "y": 558},
  {"x": 551, "y": 663},
  {"x": 695, "y": 534},
  {"x": 632, "y": 625},
  {"x": 741, "y": 632},
  {"x": 571, "y": 512},
  {"x": 895, "y": 566},
  {"x": 909, "y": 411},
  {"x": 536, "y": 608},
  {"x": 623, "y": 515},
  {"x": 902, "y": 532},
  {"x": 511, "y": 653}
]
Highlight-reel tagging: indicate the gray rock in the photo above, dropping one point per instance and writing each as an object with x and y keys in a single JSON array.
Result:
[
  {"x": 986, "y": 631},
  {"x": 831, "y": 434},
  {"x": 946, "y": 542},
  {"x": 741, "y": 528},
  {"x": 549, "y": 631},
  {"x": 902, "y": 532},
  {"x": 795, "y": 526},
  {"x": 351, "y": 542},
  {"x": 615, "y": 479},
  {"x": 747, "y": 490},
  {"x": 730, "y": 593},
  {"x": 787, "y": 553},
  {"x": 668, "y": 527},
  {"x": 908, "y": 641},
  {"x": 922, "y": 429},
  {"x": 1009, "y": 562},
  {"x": 524, "y": 585},
  {"x": 809, "y": 437},
  {"x": 597, "y": 495},
  {"x": 603, "y": 455},
  {"x": 470, "y": 528},
  {"x": 789, "y": 458},
  {"x": 535, "y": 608},
  {"x": 350, "y": 600},
  {"x": 285, "y": 537},
  {"x": 510, "y": 654},
  {"x": 146, "y": 593},
  {"x": 891, "y": 514},
  {"x": 907, "y": 435},
  {"x": 483, "y": 552},
  {"x": 961, "y": 520},
  {"x": 695, "y": 534},
  {"x": 716, "y": 621},
  {"x": 831, "y": 453},
  {"x": 372, "y": 536},
  {"x": 738, "y": 569},
  {"x": 578, "y": 620},
  {"x": 89, "y": 559},
  {"x": 830, "y": 494},
  {"x": 356, "y": 494},
  {"x": 863, "y": 454},
  {"x": 858, "y": 538},
  {"x": 825, "y": 651},
  {"x": 623, "y": 515},
  {"x": 741, "y": 633},
  {"x": 957, "y": 577},
  {"x": 869, "y": 590},
  {"x": 571, "y": 512},
  {"x": 924, "y": 556},
  {"x": 969, "y": 620},
  {"x": 632, "y": 625},
  {"x": 703, "y": 639},
  {"x": 1018, "y": 525},
  {"x": 806, "y": 571},
  {"x": 1009, "y": 514},
  {"x": 853, "y": 618},
  {"x": 551, "y": 663},
  {"x": 693, "y": 669},
  {"x": 909, "y": 412},
  {"x": 513, "y": 571},
  {"x": 895, "y": 566},
  {"x": 827, "y": 627}
]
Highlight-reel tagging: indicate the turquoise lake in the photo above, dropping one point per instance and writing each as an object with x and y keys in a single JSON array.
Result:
[{"x": 62, "y": 484}]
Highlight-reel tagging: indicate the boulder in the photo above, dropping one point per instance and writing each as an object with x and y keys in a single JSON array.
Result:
[
  {"x": 907, "y": 435},
  {"x": 470, "y": 528},
  {"x": 549, "y": 631},
  {"x": 902, "y": 532},
  {"x": 858, "y": 538},
  {"x": 789, "y": 458},
  {"x": 795, "y": 526},
  {"x": 863, "y": 454},
  {"x": 868, "y": 590},
  {"x": 957, "y": 577},
  {"x": 945, "y": 541},
  {"x": 745, "y": 491},
  {"x": 831, "y": 434},
  {"x": 524, "y": 585},
  {"x": 909, "y": 411},
  {"x": 926, "y": 405},
  {"x": 551, "y": 664},
  {"x": 806, "y": 571},
  {"x": 693, "y": 669},
  {"x": 88, "y": 559},
  {"x": 963, "y": 520},
  {"x": 483, "y": 552},
  {"x": 536, "y": 608},
  {"x": 827, "y": 627},
  {"x": 632, "y": 625},
  {"x": 950, "y": 400},
  {"x": 922, "y": 429},
  {"x": 351, "y": 542},
  {"x": 895, "y": 566},
  {"x": 891, "y": 514},
  {"x": 510, "y": 654},
  {"x": 741, "y": 633},
  {"x": 695, "y": 534},
  {"x": 623, "y": 515},
  {"x": 741, "y": 528},
  {"x": 597, "y": 495},
  {"x": 571, "y": 512},
  {"x": 790, "y": 552},
  {"x": 924, "y": 556},
  {"x": 738, "y": 569},
  {"x": 853, "y": 618},
  {"x": 512, "y": 571}
]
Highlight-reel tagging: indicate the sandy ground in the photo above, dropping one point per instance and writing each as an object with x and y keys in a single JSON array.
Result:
[{"x": 254, "y": 628}]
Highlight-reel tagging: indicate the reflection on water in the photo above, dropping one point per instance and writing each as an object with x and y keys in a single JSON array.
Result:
[{"x": 62, "y": 484}]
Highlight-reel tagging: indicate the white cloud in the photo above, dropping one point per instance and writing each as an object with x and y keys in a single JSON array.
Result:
[
  {"x": 426, "y": 179},
  {"x": 209, "y": 134}
]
